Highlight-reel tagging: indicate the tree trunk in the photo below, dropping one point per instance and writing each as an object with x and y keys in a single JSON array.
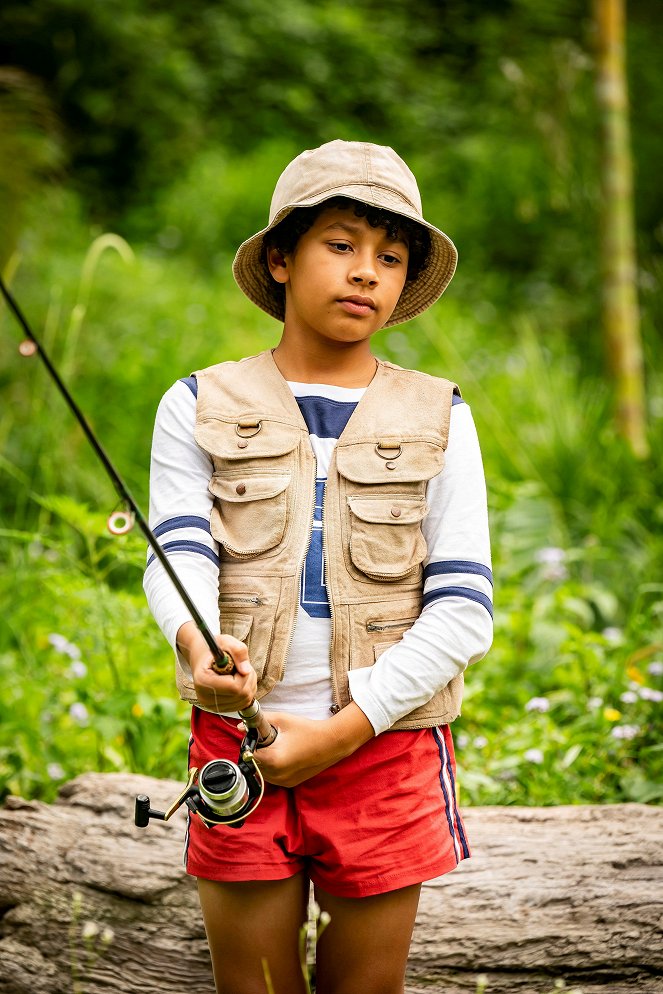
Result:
[
  {"x": 568, "y": 892},
  {"x": 620, "y": 303}
]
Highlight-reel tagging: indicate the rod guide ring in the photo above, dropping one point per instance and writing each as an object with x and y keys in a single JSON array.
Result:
[{"x": 121, "y": 522}]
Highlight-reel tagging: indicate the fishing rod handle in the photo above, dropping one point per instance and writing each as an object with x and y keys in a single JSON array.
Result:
[{"x": 253, "y": 716}]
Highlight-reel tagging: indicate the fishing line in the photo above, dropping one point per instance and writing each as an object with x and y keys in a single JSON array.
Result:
[{"x": 121, "y": 522}]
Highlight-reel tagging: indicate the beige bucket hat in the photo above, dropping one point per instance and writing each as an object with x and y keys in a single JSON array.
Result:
[{"x": 372, "y": 174}]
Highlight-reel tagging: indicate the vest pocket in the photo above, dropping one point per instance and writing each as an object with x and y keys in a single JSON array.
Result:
[
  {"x": 250, "y": 512},
  {"x": 386, "y": 541},
  {"x": 381, "y": 647},
  {"x": 237, "y": 625},
  {"x": 391, "y": 630}
]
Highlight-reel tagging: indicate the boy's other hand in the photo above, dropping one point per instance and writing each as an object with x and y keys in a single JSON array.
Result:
[
  {"x": 216, "y": 692},
  {"x": 304, "y": 747}
]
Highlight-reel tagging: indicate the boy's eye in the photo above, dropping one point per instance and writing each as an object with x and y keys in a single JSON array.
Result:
[
  {"x": 390, "y": 259},
  {"x": 341, "y": 246}
]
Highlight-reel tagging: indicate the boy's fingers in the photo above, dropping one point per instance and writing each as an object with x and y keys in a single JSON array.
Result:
[
  {"x": 232, "y": 645},
  {"x": 243, "y": 667}
]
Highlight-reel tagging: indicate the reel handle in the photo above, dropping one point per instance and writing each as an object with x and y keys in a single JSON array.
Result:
[{"x": 143, "y": 812}]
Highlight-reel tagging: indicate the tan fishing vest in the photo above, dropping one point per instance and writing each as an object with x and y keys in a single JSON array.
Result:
[{"x": 263, "y": 483}]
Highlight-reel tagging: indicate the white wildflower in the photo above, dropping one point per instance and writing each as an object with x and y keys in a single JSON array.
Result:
[
  {"x": 650, "y": 694},
  {"x": 77, "y": 670},
  {"x": 90, "y": 930},
  {"x": 79, "y": 713},
  {"x": 655, "y": 668},
  {"x": 63, "y": 645},
  {"x": 534, "y": 756},
  {"x": 628, "y": 697},
  {"x": 58, "y": 641},
  {"x": 480, "y": 741},
  {"x": 462, "y": 740},
  {"x": 594, "y": 702},
  {"x": 625, "y": 731},
  {"x": 550, "y": 555},
  {"x": 612, "y": 634},
  {"x": 552, "y": 561},
  {"x": 538, "y": 704},
  {"x": 55, "y": 771},
  {"x": 554, "y": 572},
  {"x": 107, "y": 936},
  {"x": 506, "y": 775}
]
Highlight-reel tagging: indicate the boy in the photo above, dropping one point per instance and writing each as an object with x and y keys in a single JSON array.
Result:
[{"x": 335, "y": 505}]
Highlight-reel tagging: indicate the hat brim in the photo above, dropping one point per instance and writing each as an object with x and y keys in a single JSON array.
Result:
[{"x": 254, "y": 279}]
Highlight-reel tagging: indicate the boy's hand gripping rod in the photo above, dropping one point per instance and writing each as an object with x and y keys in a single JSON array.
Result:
[{"x": 121, "y": 522}]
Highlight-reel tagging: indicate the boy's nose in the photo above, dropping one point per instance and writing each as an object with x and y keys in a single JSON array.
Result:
[{"x": 365, "y": 276}]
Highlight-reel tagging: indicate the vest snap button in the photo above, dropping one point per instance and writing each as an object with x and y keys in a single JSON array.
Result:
[
  {"x": 241, "y": 489},
  {"x": 334, "y": 709},
  {"x": 395, "y": 512},
  {"x": 390, "y": 465},
  {"x": 242, "y": 443}
]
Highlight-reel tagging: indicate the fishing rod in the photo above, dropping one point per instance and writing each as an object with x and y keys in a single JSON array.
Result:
[{"x": 227, "y": 792}]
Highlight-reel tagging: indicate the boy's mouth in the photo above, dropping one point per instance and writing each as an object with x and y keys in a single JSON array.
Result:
[{"x": 357, "y": 305}]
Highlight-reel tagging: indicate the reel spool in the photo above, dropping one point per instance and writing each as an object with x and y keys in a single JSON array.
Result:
[{"x": 221, "y": 793}]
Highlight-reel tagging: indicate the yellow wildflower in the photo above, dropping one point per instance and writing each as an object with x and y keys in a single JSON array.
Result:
[
  {"x": 612, "y": 714},
  {"x": 633, "y": 673},
  {"x": 137, "y": 711}
]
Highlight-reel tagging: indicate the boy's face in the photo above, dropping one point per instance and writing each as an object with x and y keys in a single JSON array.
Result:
[{"x": 344, "y": 278}]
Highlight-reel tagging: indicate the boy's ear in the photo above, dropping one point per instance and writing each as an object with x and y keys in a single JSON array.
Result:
[{"x": 278, "y": 265}]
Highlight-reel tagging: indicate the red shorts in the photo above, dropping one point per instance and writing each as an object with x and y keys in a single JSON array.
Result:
[{"x": 384, "y": 818}]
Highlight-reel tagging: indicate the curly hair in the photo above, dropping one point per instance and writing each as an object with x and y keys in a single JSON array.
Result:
[{"x": 287, "y": 233}]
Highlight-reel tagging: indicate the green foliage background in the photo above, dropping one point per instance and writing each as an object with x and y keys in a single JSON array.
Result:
[{"x": 168, "y": 127}]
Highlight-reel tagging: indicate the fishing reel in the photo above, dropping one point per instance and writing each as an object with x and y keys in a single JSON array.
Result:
[{"x": 221, "y": 793}]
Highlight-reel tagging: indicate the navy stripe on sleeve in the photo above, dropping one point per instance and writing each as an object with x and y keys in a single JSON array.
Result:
[
  {"x": 186, "y": 546},
  {"x": 457, "y": 566},
  {"x": 192, "y": 384},
  {"x": 467, "y": 592},
  {"x": 183, "y": 521}
]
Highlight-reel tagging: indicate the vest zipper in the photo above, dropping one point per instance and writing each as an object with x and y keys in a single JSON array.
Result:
[
  {"x": 335, "y": 708},
  {"x": 299, "y": 581},
  {"x": 380, "y": 626},
  {"x": 242, "y": 600}
]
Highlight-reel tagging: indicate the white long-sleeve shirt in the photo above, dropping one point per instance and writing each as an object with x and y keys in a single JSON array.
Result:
[{"x": 455, "y": 625}]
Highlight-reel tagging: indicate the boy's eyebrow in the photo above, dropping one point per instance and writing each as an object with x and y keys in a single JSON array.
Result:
[{"x": 354, "y": 229}]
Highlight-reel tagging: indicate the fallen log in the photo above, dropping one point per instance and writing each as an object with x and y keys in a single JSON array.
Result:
[{"x": 89, "y": 903}]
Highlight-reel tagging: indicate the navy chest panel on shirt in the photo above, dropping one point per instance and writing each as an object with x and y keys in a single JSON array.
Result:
[{"x": 324, "y": 419}]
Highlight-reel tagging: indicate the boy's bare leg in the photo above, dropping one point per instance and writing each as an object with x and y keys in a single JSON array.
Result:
[
  {"x": 366, "y": 944},
  {"x": 246, "y": 922}
]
